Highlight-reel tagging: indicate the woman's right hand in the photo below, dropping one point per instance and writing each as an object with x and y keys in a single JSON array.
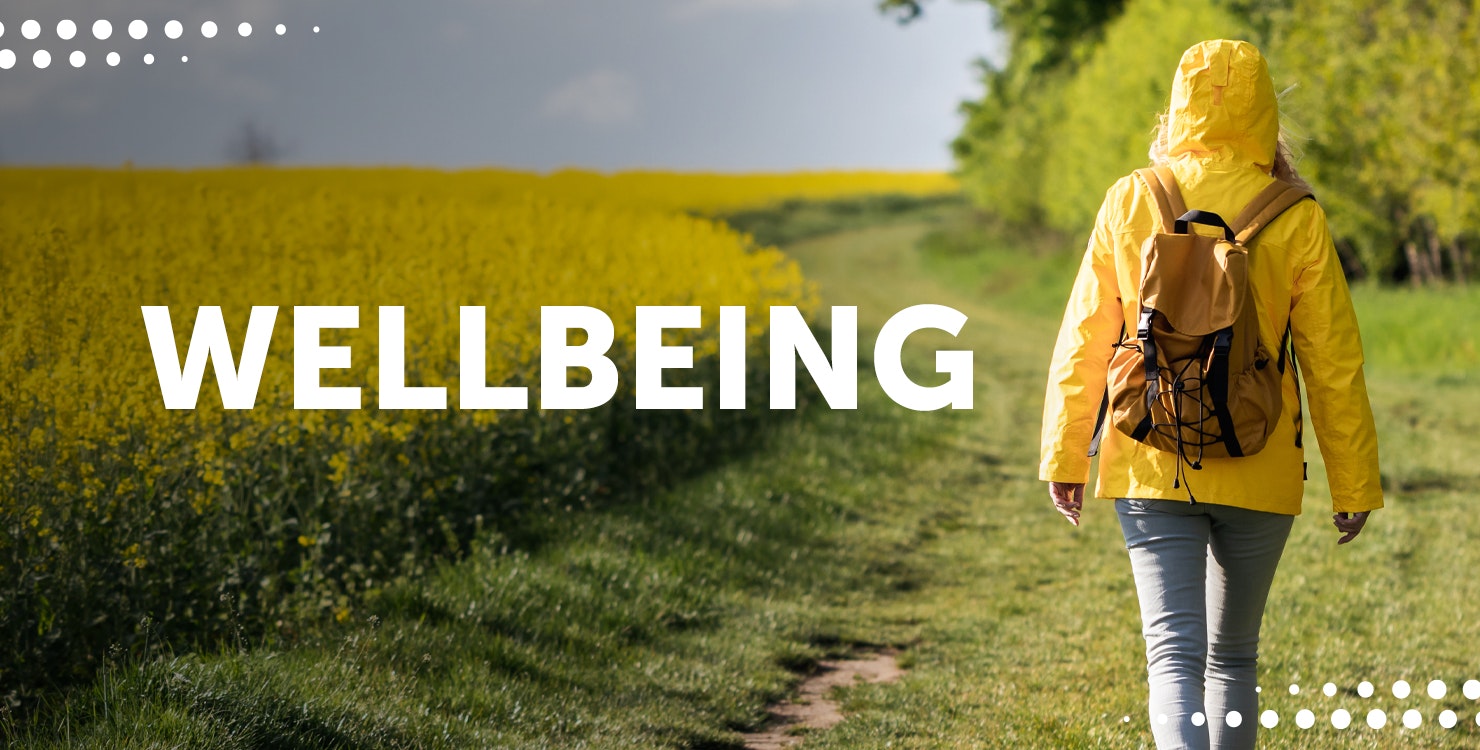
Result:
[
  {"x": 1068, "y": 498},
  {"x": 1350, "y": 524}
]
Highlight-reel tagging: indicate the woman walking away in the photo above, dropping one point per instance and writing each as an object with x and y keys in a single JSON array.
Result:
[{"x": 1196, "y": 320}]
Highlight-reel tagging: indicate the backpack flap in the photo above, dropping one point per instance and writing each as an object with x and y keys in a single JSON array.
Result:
[{"x": 1198, "y": 283}]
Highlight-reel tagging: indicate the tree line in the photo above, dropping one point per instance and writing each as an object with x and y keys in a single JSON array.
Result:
[{"x": 1381, "y": 100}]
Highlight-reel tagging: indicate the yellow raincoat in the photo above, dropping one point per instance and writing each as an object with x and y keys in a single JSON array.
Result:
[{"x": 1222, "y": 137}]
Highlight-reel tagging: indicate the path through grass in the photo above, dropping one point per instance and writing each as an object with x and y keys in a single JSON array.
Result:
[{"x": 673, "y": 622}]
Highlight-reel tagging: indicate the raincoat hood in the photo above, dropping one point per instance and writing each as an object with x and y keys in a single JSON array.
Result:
[{"x": 1223, "y": 105}]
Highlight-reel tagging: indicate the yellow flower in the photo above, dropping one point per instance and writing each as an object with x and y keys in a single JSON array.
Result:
[
  {"x": 86, "y": 417},
  {"x": 339, "y": 462}
]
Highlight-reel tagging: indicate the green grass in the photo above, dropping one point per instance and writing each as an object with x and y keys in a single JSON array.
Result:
[
  {"x": 663, "y": 624},
  {"x": 672, "y": 621},
  {"x": 1433, "y": 333}
]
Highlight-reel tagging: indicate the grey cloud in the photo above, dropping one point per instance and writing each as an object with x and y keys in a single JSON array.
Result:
[
  {"x": 714, "y": 84},
  {"x": 601, "y": 97}
]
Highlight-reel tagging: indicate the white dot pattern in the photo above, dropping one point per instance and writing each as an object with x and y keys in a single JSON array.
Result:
[
  {"x": 1437, "y": 689},
  {"x": 1401, "y": 689},
  {"x": 138, "y": 29}
]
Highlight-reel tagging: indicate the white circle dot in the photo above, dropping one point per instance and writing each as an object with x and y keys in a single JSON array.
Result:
[
  {"x": 1472, "y": 689},
  {"x": 30, "y": 29},
  {"x": 184, "y": 58},
  {"x": 149, "y": 59},
  {"x": 1376, "y": 718},
  {"x": 1258, "y": 689},
  {"x": 1365, "y": 689},
  {"x": 1477, "y": 718},
  {"x": 113, "y": 58},
  {"x": 1125, "y": 719},
  {"x": 1401, "y": 689},
  {"x": 78, "y": 59},
  {"x": 245, "y": 29},
  {"x": 2, "y": 29},
  {"x": 41, "y": 59},
  {"x": 7, "y": 59},
  {"x": 1448, "y": 719},
  {"x": 315, "y": 29},
  {"x": 173, "y": 29},
  {"x": 1341, "y": 718},
  {"x": 1412, "y": 718},
  {"x": 1161, "y": 718},
  {"x": 1198, "y": 719},
  {"x": 138, "y": 29},
  {"x": 1234, "y": 718},
  {"x": 1329, "y": 689},
  {"x": 66, "y": 29},
  {"x": 1437, "y": 689},
  {"x": 1305, "y": 719},
  {"x": 1269, "y": 719},
  {"x": 1294, "y": 689},
  {"x": 102, "y": 29},
  {"x": 208, "y": 29},
  {"x": 281, "y": 29}
]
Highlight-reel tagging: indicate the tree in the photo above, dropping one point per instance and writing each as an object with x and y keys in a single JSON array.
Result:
[{"x": 253, "y": 144}]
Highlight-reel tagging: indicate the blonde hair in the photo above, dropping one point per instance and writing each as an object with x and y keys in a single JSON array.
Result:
[{"x": 1284, "y": 155}]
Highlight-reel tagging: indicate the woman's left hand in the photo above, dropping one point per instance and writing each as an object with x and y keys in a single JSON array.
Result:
[
  {"x": 1349, "y": 524},
  {"x": 1068, "y": 498}
]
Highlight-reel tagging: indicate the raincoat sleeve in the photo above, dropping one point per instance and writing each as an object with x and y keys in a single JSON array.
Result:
[
  {"x": 1081, "y": 357},
  {"x": 1328, "y": 348}
]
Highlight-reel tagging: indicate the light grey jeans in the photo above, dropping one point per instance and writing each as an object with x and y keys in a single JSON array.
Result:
[{"x": 1203, "y": 573}]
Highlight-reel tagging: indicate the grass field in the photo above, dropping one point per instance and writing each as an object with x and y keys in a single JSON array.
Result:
[{"x": 670, "y": 621}]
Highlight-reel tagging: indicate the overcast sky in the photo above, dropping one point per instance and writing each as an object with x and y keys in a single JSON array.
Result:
[{"x": 608, "y": 84}]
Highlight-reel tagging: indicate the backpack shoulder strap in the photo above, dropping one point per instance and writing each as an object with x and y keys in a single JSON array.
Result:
[
  {"x": 1266, "y": 206},
  {"x": 1165, "y": 194}
]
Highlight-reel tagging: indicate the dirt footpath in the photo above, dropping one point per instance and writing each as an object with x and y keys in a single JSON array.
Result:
[{"x": 813, "y": 710}]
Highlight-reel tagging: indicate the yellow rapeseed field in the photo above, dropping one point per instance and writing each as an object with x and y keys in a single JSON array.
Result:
[{"x": 115, "y": 511}]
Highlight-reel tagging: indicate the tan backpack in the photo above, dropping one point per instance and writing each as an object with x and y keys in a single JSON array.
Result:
[{"x": 1197, "y": 380}]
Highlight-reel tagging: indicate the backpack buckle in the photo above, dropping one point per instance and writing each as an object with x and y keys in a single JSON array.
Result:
[
  {"x": 1223, "y": 341},
  {"x": 1143, "y": 327}
]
